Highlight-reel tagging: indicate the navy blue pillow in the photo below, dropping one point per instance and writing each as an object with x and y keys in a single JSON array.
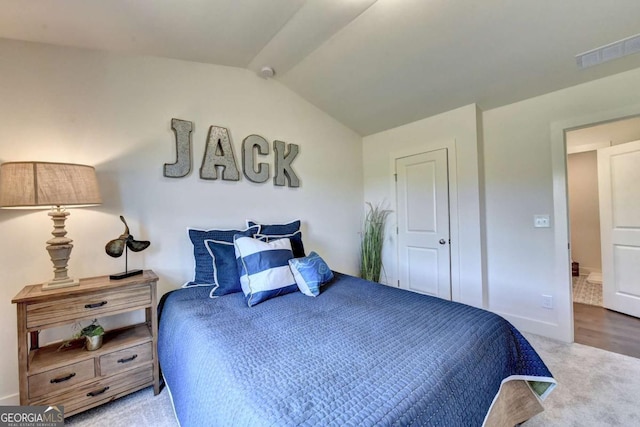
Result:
[
  {"x": 280, "y": 231},
  {"x": 215, "y": 260}
]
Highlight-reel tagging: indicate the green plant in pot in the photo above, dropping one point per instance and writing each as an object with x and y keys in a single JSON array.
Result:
[
  {"x": 372, "y": 241},
  {"x": 93, "y": 335}
]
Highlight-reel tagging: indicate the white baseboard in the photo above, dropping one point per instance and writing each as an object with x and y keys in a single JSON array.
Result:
[
  {"x": 545, "y": 329},
  {"x": 11, "y": 400},
  {"x": 585, "y": 271}
]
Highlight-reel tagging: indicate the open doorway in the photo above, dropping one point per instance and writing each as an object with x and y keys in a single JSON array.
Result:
[{"x": 594, "y": 324}]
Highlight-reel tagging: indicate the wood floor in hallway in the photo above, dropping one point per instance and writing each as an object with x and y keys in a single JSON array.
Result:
[{"x": 598, "y": 327}]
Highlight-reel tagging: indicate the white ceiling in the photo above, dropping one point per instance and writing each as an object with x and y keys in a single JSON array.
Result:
[{"x": 371, "y": 64}]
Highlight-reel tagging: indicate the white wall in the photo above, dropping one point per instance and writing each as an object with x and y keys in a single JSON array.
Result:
[
  {"x": 584, "y": 210},
  {"x": 458, "y": 128},
  {"x": 525, "y": 171},
  {"x": 114, "y": 112}
]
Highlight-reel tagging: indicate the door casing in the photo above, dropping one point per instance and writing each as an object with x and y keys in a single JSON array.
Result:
[{"x": 562, "y": 328}]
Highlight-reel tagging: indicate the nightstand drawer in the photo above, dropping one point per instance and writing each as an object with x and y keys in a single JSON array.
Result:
[
  {"x": 128, "y": 358},
  {"x": 60, "y": 379},
  {"x": 58, "y": 311},
  {"x": 100, "y": 391}
]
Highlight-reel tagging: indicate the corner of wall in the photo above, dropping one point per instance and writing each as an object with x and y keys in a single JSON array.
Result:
[{"x": 483, "y": 207}]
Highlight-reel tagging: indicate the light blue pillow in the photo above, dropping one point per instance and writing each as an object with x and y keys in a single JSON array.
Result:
[
  {"x": 215, "y": 261},
  {"x": 264, "y": 268},
  {"x": 310, "y": 273}
]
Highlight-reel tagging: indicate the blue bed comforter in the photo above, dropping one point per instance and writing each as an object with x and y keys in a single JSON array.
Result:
[{"x": 359, "y": 354}]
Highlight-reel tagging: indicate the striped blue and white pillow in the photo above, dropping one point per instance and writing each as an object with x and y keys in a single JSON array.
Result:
[
  {"x": 296, "y": 241},
  {"x": 279, "y": 231},
  {"x": 264, "y": 268}
]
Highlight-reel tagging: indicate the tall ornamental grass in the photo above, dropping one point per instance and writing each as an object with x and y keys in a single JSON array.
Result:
[{"x": 372, "y": 241}]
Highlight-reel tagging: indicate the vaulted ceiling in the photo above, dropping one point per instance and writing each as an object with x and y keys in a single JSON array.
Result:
[{"x": 371, "y": 64}]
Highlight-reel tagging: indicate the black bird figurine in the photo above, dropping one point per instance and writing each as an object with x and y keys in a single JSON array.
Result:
[{"x": 116, "y": 247}]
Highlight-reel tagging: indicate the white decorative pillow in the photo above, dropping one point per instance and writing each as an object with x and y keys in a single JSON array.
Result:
[{"x": 264, "y": 268}]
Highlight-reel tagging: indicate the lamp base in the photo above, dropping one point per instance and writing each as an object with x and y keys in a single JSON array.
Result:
[
  {"x": 57, "y": 284},
  {"x": 59, "y": 249},
  {"x": 125, "y": 274}
]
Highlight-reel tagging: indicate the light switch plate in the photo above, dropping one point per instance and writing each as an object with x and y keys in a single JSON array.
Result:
[{"x": 541, "y": 221}]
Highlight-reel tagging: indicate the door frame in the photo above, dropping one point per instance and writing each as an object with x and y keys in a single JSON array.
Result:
[
  {"x": 562, "y": 238},
  {"x": 454, "y": 247}
]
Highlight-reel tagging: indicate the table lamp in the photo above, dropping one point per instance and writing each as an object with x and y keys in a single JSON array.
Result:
[{"x": 37, "y": 185}]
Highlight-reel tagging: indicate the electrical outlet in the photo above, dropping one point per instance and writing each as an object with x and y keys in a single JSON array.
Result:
[
  {"x": 547, "y": 301},
  {"x": 541, "y": 221}
]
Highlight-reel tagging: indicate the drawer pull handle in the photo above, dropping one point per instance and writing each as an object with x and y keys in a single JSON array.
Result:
[
  {"x": 97, "y": 393},
  {"x": 129, "y": 359},
  {"x": 63, "y": 379},
  {"x": 96, "y": 305}
]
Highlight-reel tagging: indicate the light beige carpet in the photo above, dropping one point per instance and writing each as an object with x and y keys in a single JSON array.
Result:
[
  {"x": 596, "y": 388},
  {"x": 586, "y": 292},
  {"x": 138, "y": 409}
]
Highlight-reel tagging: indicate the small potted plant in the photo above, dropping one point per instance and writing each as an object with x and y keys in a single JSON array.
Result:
[{"x": 93, "y": 335}]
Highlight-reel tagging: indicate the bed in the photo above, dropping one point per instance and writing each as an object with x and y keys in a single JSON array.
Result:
[{"x": 359, "y": 354}]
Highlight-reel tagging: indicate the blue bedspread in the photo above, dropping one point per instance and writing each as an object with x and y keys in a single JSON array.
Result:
[{"x": 359, "y": 354}]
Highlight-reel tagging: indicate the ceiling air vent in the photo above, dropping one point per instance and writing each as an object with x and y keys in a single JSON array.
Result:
[{"x": 609, "y": 52}]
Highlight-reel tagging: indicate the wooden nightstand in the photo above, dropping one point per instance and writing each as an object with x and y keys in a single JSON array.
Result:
[{"x": 72, "y": 376}]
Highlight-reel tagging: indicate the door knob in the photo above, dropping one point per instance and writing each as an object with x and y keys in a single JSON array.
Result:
[{"x": 442, "y": 241}]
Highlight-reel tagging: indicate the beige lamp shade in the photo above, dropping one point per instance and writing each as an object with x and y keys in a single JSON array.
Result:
[{"x": 42, "y": 184}]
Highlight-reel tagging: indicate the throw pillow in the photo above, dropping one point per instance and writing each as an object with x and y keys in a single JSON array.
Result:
[
  {"x": 280, "y": 231},
  {"x": 310, "y": 273},
  {"x": 264, "y": 268},
  {"x": 215, "y": 260}
]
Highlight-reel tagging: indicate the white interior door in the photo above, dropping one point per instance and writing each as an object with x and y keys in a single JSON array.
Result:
[
  {"x": 619, "y": 193},
  {"x": 422, "y": 191}
]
